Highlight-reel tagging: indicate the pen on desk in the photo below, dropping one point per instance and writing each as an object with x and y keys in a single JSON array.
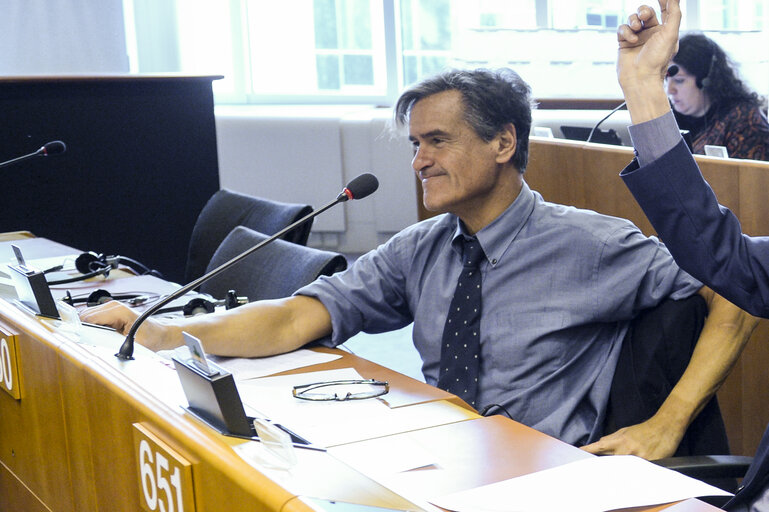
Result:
[
  {"x": 295, "y": 445},
  {"x": 309, "y": 447},
  {"x": 105, "y": 327},
  {"x": 294, "y": 436}
]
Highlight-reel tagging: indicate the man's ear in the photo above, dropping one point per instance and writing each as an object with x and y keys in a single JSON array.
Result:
[{"x": 507, "y": 141}]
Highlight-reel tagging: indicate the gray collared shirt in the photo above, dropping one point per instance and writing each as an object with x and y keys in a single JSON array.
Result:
[{"x": 559, "y": 287}]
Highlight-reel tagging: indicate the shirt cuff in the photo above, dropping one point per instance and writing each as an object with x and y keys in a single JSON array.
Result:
[{"x": 652, "y": 139}]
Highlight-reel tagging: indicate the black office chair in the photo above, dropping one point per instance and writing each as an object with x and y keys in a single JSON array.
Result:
[
  {"x": 655, "y": 353},
  {"x": 277, "y": 270},
  {"x": 708, "y": 467},
  {"x": 227, "y": 209}
]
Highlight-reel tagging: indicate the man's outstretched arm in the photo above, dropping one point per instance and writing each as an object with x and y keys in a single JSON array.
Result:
[{"x": 257, "y": 329}]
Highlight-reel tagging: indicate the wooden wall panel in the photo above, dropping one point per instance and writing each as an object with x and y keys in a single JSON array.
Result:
[{"x": 552, "y": 173}]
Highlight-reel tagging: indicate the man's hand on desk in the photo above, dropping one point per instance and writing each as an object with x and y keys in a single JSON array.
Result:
[
  {"x": 652, "y": 439},
  {"x": 120, "y": 317}
]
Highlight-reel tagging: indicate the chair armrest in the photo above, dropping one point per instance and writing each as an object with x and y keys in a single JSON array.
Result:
[{"x": 708, "y": 466}]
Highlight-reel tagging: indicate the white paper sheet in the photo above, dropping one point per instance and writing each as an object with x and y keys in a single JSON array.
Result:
[
  {"x": 272, "y": 397},
  {"x": 330, "y": 423},
  {"x": 243, "y": 368},
  {"x": 595, "y": 484},
  {"x": 384, "y": 456}
]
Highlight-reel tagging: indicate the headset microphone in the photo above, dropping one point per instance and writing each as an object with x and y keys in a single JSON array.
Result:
[
  {"x": 193, "y": 307},
  {"x": 91, "y": 264},
  {"x": 705, "y": 82}
]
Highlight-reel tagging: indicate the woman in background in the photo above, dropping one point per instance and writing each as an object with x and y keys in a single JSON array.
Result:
[{"x": 711, "y": 102}]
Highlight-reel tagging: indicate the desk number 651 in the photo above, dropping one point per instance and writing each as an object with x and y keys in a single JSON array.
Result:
[{"x": 165, "y": 477}]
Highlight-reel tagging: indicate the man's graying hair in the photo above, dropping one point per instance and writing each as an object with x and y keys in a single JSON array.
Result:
[{"x": 492, "y": 99}]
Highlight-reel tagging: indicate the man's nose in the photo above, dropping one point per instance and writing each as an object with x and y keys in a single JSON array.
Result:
[{"x": 421, "y": 159}]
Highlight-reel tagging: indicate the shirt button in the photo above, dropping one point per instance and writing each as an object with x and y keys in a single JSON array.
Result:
[{"x": 494, "y": 261}]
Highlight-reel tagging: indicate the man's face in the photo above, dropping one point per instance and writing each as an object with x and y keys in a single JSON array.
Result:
[{"x": 458, "y": 170}]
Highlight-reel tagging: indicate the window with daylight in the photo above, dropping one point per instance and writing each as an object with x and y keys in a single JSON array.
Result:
[{"x": 366, "y": 51}]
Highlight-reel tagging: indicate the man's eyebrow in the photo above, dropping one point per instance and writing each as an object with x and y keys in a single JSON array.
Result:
[{"x": 431, "y": 133}]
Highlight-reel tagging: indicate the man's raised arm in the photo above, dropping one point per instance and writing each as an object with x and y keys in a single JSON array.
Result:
[{"x": 646, "y": 45}]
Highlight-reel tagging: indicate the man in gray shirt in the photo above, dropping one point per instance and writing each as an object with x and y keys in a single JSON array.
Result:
[{"x": 559, "y": 285}]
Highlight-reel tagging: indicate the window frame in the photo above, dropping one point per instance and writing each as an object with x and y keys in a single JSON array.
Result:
[{"x": 243, "y": 73}]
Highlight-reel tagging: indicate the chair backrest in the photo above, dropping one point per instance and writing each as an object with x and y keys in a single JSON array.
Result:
[
  {"x": 654, "y": 355},
  {"x": 227, "y": 209},
  {"x": 274, "y": 271}
]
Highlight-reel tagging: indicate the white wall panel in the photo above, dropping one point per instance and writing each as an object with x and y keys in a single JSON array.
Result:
[
  {"x": 283, "y": 153},
  {"x": 307, "y": 153},
  {"x": 391, "y": 154}
]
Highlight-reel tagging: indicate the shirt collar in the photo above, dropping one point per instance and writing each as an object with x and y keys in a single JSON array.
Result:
[{"x": 500, "y": 233}]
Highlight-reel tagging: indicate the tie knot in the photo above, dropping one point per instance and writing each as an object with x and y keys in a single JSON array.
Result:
[{"x": 472, "y": 252}]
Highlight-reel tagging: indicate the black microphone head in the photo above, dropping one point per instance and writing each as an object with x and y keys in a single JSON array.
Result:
[
  {"x": 55, "y": 147},
  {"x": 360, "y": 187}
]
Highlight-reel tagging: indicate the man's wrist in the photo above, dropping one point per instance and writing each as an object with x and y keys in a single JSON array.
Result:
[
  {"x": 646, "y": 100},
  {"x": 676, "y": 412}
]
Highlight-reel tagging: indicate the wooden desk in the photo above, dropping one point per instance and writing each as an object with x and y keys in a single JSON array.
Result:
[{"x": 68, "y": 442}]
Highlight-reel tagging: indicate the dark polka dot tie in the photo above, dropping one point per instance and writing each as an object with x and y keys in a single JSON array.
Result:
[{"x": 460, "y": 347}]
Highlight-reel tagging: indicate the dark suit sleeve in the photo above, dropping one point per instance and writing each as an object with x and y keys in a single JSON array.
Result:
[{"x": 704, "y": 237}]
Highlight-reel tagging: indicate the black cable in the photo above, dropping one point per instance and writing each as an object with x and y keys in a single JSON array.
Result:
[
  {"x": 133, "y": 298},
  {"x": 131, "y": 263},
  {"x": 145, "y": 270},
  {"x": 102, "y": 271}
]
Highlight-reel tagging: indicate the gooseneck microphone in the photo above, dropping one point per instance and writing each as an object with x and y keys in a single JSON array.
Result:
[
  {"x": 592, "y": 132},
  {"x": 55, "y": 147},
  {"x": 358, "y": 188}
]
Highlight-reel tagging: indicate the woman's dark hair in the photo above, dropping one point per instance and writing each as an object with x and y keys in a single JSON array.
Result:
[
  {"x": 492, "y": 99},
  {"x": 714, "y": 71}
]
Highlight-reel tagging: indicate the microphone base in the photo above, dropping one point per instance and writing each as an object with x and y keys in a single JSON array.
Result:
[
  {"x": 32, "y": 290},
  {"x": 215, "y": 397},
  {"x": 126, "y": 352}
]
